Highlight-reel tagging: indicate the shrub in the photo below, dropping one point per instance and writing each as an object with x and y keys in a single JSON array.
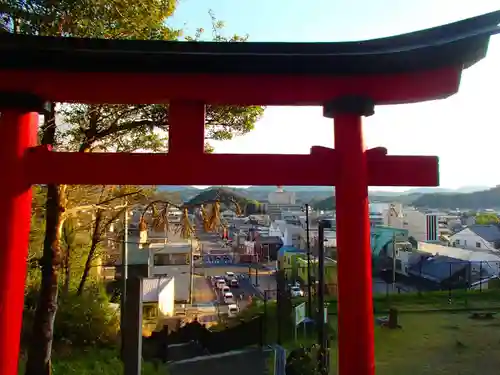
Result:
[
  {"x": 85, "y": 320},
  {"x": 303, "y": 361},
  {"x": 88, "y": 319}
]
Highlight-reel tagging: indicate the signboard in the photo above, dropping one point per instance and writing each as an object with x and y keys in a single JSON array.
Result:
[{"x": 300, "y": 313}]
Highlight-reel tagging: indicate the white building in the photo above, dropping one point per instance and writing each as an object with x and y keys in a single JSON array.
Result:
[
  {"x": 281, "y": 197},
  {"x": 289, "y": 234},
  {"x": 280, "y": 201},
  {"x": 158, "y": 294},
  {"x": 228, "y": 215},
  {"x": 173, "y": 260},
  {"x": 421, "y": 226},
  {"x": 478, "y": 237}
]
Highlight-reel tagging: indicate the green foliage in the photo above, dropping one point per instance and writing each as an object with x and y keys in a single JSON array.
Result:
[
  {"x": 223, "y": 194},
  {"x": 86, "y": 320},
  {"x": 254, "y": 207},
  {"x": 81, "y": 321},
  {"x": 117, "y": 19},
  {"x": 94, "y": 362},
  {"x": 303, "y": 361},
  {"x": 326, "y": 204},
  {"x": 487, "y": 218}
]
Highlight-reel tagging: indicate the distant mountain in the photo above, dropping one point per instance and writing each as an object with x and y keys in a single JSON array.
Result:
[
  {"x": 186, "y": 192},
  {"x": 442, "y": 199},
  {"x": 437, "y": 190},
  {"x": 322, "y": 196},
  {"x": 475, "y": 200},
  {"x": 270, "y": 189},
  {"x": 329, "y": 202},
  {"x": 226, "y": 196},
  {"x": 175, "y": 187}
]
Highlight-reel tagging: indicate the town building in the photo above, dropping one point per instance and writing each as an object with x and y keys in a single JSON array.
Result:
[{"x": 478, "y": 236}]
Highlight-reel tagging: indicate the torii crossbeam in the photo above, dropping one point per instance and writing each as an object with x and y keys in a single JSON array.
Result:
[{"x": 347, "y": 79}]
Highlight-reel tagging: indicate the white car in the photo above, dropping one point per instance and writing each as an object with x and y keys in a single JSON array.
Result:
[
  {"x": 228, "y": 298},
  {"x": 221, "y": 283},
  {"x": 295, "y": 291},
  {"x": 233, "y": 310},
  {"x": 226, "y": 289}
]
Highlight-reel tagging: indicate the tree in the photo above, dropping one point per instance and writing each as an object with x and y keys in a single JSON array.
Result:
[
  {"x": 69, "y": 244},
  {"x": 120, "y": 128},
  {"x": 487, "y": 218},
  {"x": 110, "y": 204}
]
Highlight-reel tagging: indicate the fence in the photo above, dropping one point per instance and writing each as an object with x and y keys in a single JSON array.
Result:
[
  {"x": 239, "y": 336},
  {"x": 425, "y": 273}
]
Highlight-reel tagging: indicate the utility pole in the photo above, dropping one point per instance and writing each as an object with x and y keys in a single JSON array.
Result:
[
  {"x": 309, "y": 282},
  {"x": 191, "y": 273},
  {"x": 394, "y": 262},
  {"x": 322, "y": 362},
  {"x": 124, "y": 267},
  {"x": 391, "y": 211}
]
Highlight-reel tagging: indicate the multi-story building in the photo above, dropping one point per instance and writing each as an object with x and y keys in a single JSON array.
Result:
[
  {"x": 422, "y": 226},
  {"x": 279, "y": 201}
]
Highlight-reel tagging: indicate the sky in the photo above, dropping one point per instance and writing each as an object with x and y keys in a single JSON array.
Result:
[{"x": 462, "y": 130}]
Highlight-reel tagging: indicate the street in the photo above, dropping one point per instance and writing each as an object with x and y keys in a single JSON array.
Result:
[{"x": 216, "y": 260}]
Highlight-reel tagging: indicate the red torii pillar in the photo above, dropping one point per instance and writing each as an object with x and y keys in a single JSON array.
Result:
[
  {"x": 19, "y": 132},
  {"x": 355, "y": 305}
]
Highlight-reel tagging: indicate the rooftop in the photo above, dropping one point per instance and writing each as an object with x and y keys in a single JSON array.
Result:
[
  {"x": 171, "y": 247},
  {"x": 490, "y": 233},
  {"x": 301, "y": 258}
]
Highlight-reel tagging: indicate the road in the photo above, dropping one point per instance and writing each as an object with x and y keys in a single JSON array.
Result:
[{"x": 212, "y": 248}]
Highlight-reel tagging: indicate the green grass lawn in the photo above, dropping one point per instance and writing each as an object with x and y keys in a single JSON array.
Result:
[
  {"x": 432, "y": 344},
  {"x": 93, "y": 362},
  {"x": 440, "y": 344},
  {"x": 437, "y": 335}
]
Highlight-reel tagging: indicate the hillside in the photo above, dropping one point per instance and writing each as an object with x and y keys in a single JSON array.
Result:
[
  {"x": 224, "y": 194},
  {"x": 303, "y": 194},
  {"x": 186, "y": 192},
  {"x": 329, "y": 203},
  {"x": 315, "y": 194},
  {"x": 474, "y": 201},
  {"x": 445, "y": 200}
]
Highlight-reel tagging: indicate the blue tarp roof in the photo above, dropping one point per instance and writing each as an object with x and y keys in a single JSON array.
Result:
[
  {"x": 289, "y": 249},
  {"x": 438, "y": 268}
]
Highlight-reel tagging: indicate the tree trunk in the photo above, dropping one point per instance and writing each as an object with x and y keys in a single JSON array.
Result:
[
  {"x": 40, "y": 348},
  {"x": 96, "y": 238}
]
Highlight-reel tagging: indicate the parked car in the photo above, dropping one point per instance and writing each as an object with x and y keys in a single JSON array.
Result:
[
  {"x": 295, "y": 291},
  {"x": 228, "y": 298},
  {"x": 233, "y": 310}
]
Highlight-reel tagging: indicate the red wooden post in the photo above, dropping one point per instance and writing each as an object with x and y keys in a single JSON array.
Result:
[
  {"x": 19, "y": 130},
  {"x": 355, "y": 306},
  {"x": 186, "y": 128}
]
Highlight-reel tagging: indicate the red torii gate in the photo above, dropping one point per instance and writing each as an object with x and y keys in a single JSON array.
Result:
[{"x": 347, "y": 79}]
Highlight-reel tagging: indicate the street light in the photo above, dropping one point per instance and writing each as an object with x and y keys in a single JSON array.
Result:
[{"x": 308, "y": 246}]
